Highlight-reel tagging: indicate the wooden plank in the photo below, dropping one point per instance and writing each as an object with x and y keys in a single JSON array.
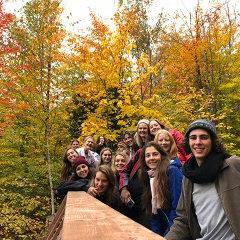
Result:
[
  {"x": 87, "y": 218},
  {"x": 55, "y": 227}
]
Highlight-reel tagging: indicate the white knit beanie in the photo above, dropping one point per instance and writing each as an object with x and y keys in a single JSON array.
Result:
[{"x": 146, "y": 121}]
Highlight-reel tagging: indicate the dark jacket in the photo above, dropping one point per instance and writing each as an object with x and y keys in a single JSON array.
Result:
[
  {"x": 78, "y": 185},
  {"x": 227, "y": 184},
  {"x": 129, "y": 178},
  {"x": 113, "y": 202},
  {"x": 130, "y": 170}
]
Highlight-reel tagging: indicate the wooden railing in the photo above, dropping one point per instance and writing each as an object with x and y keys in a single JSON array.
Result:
[
  {"x": 84, "y": 217},
  {"x": 55, "y": 227}
]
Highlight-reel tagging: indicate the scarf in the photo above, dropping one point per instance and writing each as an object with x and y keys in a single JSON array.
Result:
[
  {"x": 208, "y": 171},
  {"x": 154, "y": 196}
]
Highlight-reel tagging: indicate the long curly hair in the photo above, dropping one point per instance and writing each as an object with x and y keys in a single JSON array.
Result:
[{"x": 161, "y": 184}]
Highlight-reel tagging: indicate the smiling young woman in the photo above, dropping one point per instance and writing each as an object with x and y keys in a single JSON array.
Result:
[
  {"x": 103, "y": 187},
  {"x": 80, "y": 179},
  {"x": 162, "y": 182}
]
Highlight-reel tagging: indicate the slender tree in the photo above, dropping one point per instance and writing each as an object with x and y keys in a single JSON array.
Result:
[{"x": 40, "y": 85}]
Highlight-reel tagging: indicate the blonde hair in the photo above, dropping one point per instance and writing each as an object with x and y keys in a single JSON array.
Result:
[
  {"x": 137, "y": 138},
  {"x": 122, "y": 153},
  {"x": 173, "y": 149},
  {"x": 101, "y": 153}
]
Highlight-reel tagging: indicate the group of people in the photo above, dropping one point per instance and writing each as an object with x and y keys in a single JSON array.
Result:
[{"x": 180, "y": 187}]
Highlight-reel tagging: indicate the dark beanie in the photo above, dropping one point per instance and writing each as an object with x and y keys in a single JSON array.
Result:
[
  {"x": 80, "y": 160},
  {"x": 202, "y": 124}
]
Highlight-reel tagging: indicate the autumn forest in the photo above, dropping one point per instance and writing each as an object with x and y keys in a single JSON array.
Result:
[{"x": 56, "y": 84}]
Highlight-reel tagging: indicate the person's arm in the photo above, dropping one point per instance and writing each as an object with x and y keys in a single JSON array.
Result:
[
  {"x": 79, "y": 185},
  {"x": 180, "y": 228},
  {"x": 175, "y": 183},
  {"x": 124, "y": 177},
  {"x": 92, "y": 191},
  {"x": 179, "y": 139},
  {"x": 123, "y": 181}
]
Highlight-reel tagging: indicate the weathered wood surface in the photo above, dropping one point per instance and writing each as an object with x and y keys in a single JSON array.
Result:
[
  {"x": 87, "y": 218},
  {"x": 55, "y": 228}
]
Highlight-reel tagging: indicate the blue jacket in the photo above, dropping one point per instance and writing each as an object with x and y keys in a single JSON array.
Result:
[{"x": 163, "y": 220}]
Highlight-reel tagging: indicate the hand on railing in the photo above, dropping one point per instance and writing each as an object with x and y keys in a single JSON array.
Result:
[{"x": 92, "y": 191}]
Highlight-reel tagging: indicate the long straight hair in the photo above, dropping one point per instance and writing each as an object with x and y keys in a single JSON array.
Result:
[
  {"x": 101, "y": 153},
  {"x": 67, "y": 166},
  {"x": 160, "y": 184},
  {"x": 173, "y": 148},
  {"x": 112, "y": 191}
]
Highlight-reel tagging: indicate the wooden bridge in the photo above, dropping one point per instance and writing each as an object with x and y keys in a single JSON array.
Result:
[{"x": 82, "y": 217}]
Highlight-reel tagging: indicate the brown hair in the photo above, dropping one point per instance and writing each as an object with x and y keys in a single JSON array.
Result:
[
  {"x": 67, "y": 166},
  {"x": 112, "y": 191},
  {"x": 161, "y": 124},
  {"x": 91, "y": 172},
  {"x": 160, "y": 184}
]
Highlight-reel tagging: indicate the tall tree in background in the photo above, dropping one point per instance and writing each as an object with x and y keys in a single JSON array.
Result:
[
  {"x": 119, "y": 72},
  {"x": 104, "y": 60},
  {"x": 201, "y": 56},
  {"x": 40, "y": 85},
  {"x": 8, "y": 48}
]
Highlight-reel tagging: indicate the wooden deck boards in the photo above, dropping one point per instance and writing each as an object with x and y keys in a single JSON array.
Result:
[{"x": 87, "y": 218}]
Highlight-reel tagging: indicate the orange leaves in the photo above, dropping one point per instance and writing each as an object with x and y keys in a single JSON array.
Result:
[
  {"x": 23, "y": 106},
  {"x": 99, "y": 29}
]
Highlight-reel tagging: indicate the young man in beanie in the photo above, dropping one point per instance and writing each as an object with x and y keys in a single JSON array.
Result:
[{"x": 209, "y": 206}]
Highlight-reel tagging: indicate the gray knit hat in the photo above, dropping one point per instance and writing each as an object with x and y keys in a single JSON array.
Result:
[{"x": 202, "y": 124}]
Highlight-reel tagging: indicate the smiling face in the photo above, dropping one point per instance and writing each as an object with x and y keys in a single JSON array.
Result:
[
  {"x": 152, "y": 156},
  {"x": 165, "y": 142},
  {"x": 89, "y": 143},
  {"x": 71, "y": 155},
  {"x": 75, "y": 144},
  {"x": 120, "y": 162},
  {"x": 154, "y": 126},
  {"x": 201, "y": 144},
  {"x": 128, "y": 139},
  {"x": 143, "y": 130},
  {"x": 101, "y": 182},
  {"x": 106, "y": 156},
  {"x": 82, "y": 170}
]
